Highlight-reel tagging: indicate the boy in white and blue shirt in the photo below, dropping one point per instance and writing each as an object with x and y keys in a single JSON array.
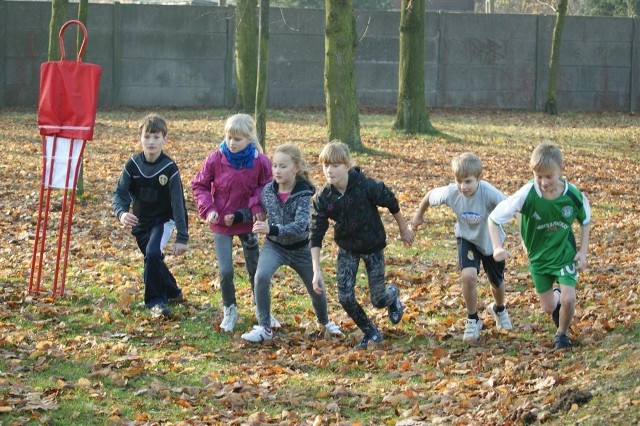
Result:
[{"x": 472, "y": 200}]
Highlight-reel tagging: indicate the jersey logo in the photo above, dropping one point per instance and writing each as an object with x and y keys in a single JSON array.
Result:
[
  {"x": 536, "y": 216},
  {"x": 471, "y": 217},
  {"x": 163, "y": 180},
  {"x": 567, "y": 212}
]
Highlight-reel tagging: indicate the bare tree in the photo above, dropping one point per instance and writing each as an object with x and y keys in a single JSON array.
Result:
[
  {"x": 263, "y": 68},
  {"x": 340, "y": 91},
  {"x": 246, "y": 54},
  {"x": 59, "y": 9},
  {"x": 551, "y": 106},
  {"x": 411, "y": 113}
]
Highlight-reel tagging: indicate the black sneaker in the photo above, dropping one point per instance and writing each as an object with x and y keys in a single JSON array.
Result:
[
  {"x": 561, "y": 341},
  {"x": 176, "y": 300},
  {"x": 395, "y": 309},
  {"x": 374, "y": 337},
  {"x": 160, "y": 310},
  {"x": 555, "y": 315}
]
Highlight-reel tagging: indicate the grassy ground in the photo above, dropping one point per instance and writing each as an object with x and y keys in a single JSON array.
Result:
[{"x": 95, "y": 356}]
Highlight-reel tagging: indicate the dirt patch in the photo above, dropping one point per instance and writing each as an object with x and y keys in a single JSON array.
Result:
[{"x": 569, "y": 397}]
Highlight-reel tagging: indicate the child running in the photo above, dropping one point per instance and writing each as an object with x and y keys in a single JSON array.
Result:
[
  {"x": 351, "y": 200},
  {"x": 472, "y": 199},
  {"x": 230, "y": 182},
  {"x": 548, "y": 206},
  {"x": 287, "y": 201},
  {"x": 150, "y": 184}
]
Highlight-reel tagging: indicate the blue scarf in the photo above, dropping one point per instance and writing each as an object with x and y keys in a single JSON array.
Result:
[{"x": 242, "y": 159}]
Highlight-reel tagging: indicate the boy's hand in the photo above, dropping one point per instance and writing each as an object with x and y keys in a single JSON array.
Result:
[
  {"x": 500, "y": 254},
  {"x": 581, "y": 261},
  {"x": 260, "y": 227},
  {"x": 212, "y": 217},
  {"x": 416, "y": 222},
  {"x": 179, "y": 249},
  {"x": 262, "y": 216},
  {"x": 407, "y": 236},
  {"x": 228, "y": 219},
  {"x": 128, "y": 219}
]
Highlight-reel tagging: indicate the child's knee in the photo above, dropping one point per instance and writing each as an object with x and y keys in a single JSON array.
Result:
[{"x": 347, "y": 300}]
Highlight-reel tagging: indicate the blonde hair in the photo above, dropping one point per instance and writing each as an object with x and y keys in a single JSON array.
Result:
[
  {"x": 296, "y": 156},
  {"x": 242, "y": 125},
  {"x": 335, "y": 152},
  {"x": 465, "y": 165},
  {"x": 153, "y": 123},
  {"x": 545, "y": 156}
]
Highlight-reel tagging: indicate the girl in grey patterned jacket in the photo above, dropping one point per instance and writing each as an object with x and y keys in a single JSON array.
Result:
[{"x": 287, "y": 201}]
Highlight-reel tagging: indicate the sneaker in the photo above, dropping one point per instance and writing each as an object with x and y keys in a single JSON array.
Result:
[
  {"x": 472, "y": 330},
  {"x": 561, "y": 341},
  {"x": 258, "y": 334},
  {"x": 396, "y": 309},
  {"x": 374, "y": 337},
  {"x": 332, "y": 329},
  {"x": 176, "y": 300},
  {"x": 230, "y": 318},
  {"x": 274, "y": 322},
  {"x": 160, "y": 310},
  {"x": 555, "y": 315},
  {"x": 502, "y": 318}
]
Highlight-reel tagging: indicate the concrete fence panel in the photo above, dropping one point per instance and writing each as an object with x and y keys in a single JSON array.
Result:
[{"x": 183, "y": 55}]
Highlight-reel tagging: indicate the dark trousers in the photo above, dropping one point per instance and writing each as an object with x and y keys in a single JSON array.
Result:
[{"x": 159, "y": 283}]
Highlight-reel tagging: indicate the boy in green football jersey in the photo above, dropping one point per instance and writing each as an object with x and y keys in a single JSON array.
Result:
[{"x": 548, "y": 206}]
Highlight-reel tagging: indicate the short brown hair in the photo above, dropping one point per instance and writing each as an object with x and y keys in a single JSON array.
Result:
[
  {"x": 153, "y": 123},
  {"x": 465, "y": 165}
]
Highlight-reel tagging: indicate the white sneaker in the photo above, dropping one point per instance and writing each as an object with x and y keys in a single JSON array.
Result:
[
  {"x": 274, "y": 322},
  {"x": 332, "y": 329},
  {"x": 258, "y": 334},
  {"x": 230, "y": 318},
  {"x": 502, "y": 318},
  {"x": 472, "y": 330}
]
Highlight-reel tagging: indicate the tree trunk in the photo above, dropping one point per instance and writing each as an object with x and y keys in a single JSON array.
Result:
[
  {"x": 83, "y": 13},
  {"x": 340, "y": 91},
  {"x": 59, "y": 10},
  {"x": 246, "y": 54},
  {"x": 551, "y": 106},
  {"x": 263, "y": 68},
  {"x": 411, "y": 115}
]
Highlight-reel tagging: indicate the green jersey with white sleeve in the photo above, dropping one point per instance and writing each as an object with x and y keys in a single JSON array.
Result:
[{"x": 546, "y": 225}]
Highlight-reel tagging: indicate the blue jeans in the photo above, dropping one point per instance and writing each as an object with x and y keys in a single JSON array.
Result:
[
  {"x": 272, "y": 256},
  {"x": 224, "y": 255},
  {"x": 347, "y": 270},
  {"x": 159, "y": 283}
]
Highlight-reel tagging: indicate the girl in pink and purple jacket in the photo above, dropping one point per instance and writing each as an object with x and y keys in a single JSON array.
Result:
[{"x": 226, "y": 190}]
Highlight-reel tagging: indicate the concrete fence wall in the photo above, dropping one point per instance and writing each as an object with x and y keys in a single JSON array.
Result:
[{"x": 159, "y": 55}]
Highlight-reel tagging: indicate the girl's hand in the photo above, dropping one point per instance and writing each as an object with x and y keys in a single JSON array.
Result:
[
  {"x": 228, "y": 219},
  {"x": 260, "y": 227},
  {"x": 212, "y": 217},
  {"x": 318, "y": 284},
  {"x": 500, "y": 254},
  {"x": 407, "y": 237},
  {"x": 259, "y": 216}
]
